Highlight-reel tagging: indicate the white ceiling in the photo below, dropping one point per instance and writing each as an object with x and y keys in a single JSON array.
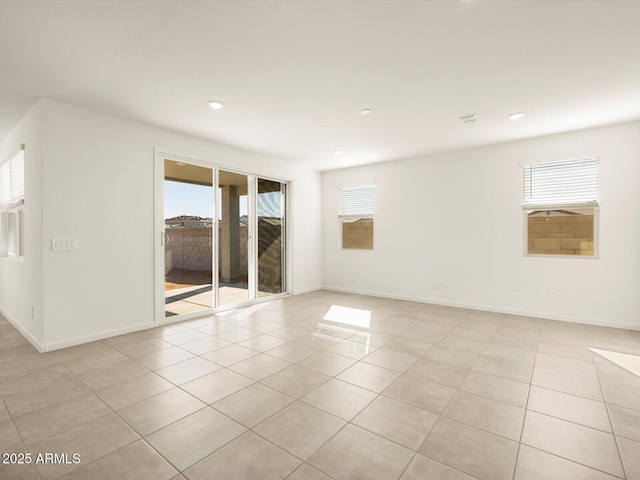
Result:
[{"x": 293, "y": 76}]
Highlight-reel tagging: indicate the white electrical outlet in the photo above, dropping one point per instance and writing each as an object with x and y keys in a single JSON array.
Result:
[
  {"x": 435, "y": 284},
  {"x": 553, "y": 294}
]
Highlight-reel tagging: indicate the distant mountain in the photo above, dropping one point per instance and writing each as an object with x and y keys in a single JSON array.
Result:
[{"x": 181, "y": 218}]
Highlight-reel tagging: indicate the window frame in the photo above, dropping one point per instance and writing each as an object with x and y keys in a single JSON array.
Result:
[
  {"x": 342, "y": 217},
  {"x": 560, "y": 206},
  {"x": 12, "y": 205}
]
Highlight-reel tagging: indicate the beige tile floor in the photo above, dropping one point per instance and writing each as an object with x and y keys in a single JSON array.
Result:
[{"x": 426, "y": 392}]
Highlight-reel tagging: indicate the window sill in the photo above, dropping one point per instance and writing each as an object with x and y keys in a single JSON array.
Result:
[
  {"x": 13, "y": 258},
  {"x": 542, "y": 255}
]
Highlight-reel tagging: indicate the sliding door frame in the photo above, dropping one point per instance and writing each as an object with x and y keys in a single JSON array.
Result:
[
  {"x": 252, "y": 236},
  {"x": 286, "y": 239},
  {"x": 160, "y": 155}
]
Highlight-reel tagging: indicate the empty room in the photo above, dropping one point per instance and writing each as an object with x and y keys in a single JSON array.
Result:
[{"x": 320, "y": 240}]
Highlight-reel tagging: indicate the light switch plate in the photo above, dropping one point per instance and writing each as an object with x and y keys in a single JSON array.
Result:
[{"x": 65, "y": 244}]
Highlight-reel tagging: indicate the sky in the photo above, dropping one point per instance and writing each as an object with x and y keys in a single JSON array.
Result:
[{"x": 189, "y": 199}]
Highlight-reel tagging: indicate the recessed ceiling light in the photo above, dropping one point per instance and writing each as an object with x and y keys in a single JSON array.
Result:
[
  {"x": 215, "y": 105},
  {"x": 339, "y": 152},
  {"x": 366, "y": 111},
  {"x": 180, "y": 164},
  {"x": 516, "y": 116}
]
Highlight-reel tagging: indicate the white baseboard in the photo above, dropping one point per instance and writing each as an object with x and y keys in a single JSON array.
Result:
[
  {"x": 22, "y": 331},
  {"x": 307, "y": 290},
  {"x": 491, "y": 308},
  {"x": 72, "y": 342},
  {"x": 48, "y": 347}
]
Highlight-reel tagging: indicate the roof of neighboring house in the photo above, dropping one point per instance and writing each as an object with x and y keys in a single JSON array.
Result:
[{"x": 557, "y": 213}]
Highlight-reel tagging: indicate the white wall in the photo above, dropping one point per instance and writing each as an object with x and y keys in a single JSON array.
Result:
[
  {"x": 457, "y": 217},
  {"x": 21, "y": 282},
  {"x": 98, "y": 178}
]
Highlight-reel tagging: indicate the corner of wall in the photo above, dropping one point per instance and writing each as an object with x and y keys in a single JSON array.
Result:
[{"x": 21, "y": 296}]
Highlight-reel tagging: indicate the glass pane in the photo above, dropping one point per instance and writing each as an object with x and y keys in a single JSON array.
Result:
[
  {"x": 233, "y": 235},
  {"x": 271, "y": 224},
  {"x": 561, "y": 232},
  {"x": 4, "y": 232},
  {"x": 21, "y": 232},
  {"x": 13, "y": 234},
  {"x": 188, "y": 238},
  {"x": 357, "y": 233}
]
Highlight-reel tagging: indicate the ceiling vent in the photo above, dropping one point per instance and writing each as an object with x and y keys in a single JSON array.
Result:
[{"x": 473, "y": 118}]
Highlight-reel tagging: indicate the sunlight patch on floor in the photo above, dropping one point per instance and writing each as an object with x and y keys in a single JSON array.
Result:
[{"x": 625, "y": 360}]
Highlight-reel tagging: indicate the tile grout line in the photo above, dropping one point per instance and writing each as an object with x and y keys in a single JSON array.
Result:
[
  {"x": 613, "y": 432},
  {"x": 526, "y": 408},
  {"x": 24, "y": 445},
  {"x": 89, "y": 421},
  {"x": 381, "y": 394},
  {"x": 248, "y": 429},
  {"x": 567, "y": 421},
  {"x": 440, "y": 415},
  {"x": 143, "y": 437},
  {"x": 347, "y": 422}
]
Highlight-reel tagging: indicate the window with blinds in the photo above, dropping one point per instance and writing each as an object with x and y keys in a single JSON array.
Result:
[
  {"x": 560, "y": 201},
  {"x": 11, "y": 205},
  {"x": 356, "y": 212},
  {"x": 558, "y": 184}
]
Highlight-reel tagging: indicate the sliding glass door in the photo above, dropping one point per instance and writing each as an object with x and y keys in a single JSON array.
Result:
[
  {"x": 188, "y": 238},
  {"x": 233, "y": 238},
  {"x": 222, "y": 238},
  {"x": 271, "y": 238}
]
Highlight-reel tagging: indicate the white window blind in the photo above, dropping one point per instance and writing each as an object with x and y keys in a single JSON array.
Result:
[
  {"x": 357, "y": 201},
  {"x": 568, "y": 183},
  {"x": 5, "y": 185},
  {"x": 12, "y": 182}
]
